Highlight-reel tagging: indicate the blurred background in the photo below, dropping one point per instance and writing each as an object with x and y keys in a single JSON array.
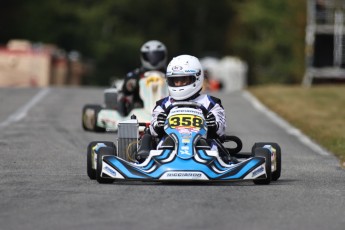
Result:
[{"x": 88, "y": 42}]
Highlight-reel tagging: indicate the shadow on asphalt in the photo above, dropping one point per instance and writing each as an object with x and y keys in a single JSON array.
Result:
[{"x": 193, "y": 183}]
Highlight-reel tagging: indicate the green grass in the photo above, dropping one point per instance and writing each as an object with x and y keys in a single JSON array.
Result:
[{"x": 319, "y": 112}]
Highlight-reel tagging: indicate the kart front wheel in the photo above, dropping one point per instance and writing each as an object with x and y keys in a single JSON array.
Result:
[
  {"x": 278, "y": 158},
  {"x": 91, "y": 169},
  {"x": 265, "y": 153},
  {"x": 104, "y": 151},
  {"x": 89, "y": 118}
]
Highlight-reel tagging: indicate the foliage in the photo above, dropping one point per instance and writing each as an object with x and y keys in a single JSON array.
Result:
[
  {"x": 265, "y": 33},
  {"x": 271, "y": 38}
]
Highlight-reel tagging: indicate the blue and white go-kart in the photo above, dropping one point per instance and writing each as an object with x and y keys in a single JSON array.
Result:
[{"x": 184, "y": 155}]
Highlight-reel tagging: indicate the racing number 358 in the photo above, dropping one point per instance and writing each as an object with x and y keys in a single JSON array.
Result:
[{"x": 185, "y": 121}]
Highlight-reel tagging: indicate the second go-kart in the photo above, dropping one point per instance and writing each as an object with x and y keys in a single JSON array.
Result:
[
  {"x": 100, "y": 118},
  {"x": 184, "y": 155}
]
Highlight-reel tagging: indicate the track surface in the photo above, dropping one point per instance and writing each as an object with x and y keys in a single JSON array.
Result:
[{"x": 43, "y": 181}]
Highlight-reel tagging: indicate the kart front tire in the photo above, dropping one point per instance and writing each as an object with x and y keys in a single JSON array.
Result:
[
  {"x": 89, "y": 156},
  {"x": 104, "y": 151},
  {"x": 93, "y": 120},
  {"x": 263, "y": 152},
  {"x": 276, "y": 174}
]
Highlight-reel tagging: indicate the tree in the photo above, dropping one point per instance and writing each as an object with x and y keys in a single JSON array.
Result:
[
  {"x": 267, "y": 34},
  {"x": 271, "y": 39}
]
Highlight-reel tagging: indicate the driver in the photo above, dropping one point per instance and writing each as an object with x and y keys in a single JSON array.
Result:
[
  {"x": 153, "y": 56},
  {"x": 185, "y": 79}
]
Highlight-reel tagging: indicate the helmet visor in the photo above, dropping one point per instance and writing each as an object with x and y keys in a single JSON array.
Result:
[
  {"x": 153, "y": 57},
  {"x": 179, "y": 81}
]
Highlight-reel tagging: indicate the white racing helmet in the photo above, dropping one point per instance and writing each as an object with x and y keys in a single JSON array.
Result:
[
  {"x": 185, "y": 77},
  {"x": 153, "y": 55}
]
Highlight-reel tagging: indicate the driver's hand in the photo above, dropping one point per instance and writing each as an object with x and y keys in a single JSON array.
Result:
[
  {"x": 161, "y": 118},
  {"x": 211, "y": 120},
  {"x": 130, "y": 85}
]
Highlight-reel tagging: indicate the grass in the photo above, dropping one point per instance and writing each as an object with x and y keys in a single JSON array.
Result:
[{"x": 319, "y": 111}]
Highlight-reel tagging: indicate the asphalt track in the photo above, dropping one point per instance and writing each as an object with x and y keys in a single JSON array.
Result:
[{"x": 43, "y": 181}]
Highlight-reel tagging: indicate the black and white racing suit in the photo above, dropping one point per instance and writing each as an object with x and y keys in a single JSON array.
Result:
[
  {"x": 212, "y": 104},
  {"x": 130, "y": 87}
]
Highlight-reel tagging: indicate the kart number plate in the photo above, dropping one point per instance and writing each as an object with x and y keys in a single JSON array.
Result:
[{"x": 185, "y": 120}]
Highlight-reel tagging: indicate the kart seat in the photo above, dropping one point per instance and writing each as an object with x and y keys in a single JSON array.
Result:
[
  {"x": 202, "y": 144},
  {"x": 168, "y": 143},
  {"x": 144, "y": 149}
]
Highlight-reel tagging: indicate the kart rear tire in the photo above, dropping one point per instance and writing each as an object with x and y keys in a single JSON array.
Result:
[
  {"x": 104, "y": 151},
  {"x": 89, "y": 157},
  {"x": 94, "y": 127},
  {"x": 276, "y": 174},
  {"x": 263, "y": 152}
]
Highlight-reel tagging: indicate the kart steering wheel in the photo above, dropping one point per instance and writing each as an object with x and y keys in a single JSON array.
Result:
[{"x": 188, "y": 104}]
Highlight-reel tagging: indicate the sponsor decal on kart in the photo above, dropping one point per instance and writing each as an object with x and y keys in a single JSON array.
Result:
[
  {"x": 185, "y": 152},
  {"x": 185, "y": 140},
  {"x": 182, "y": 111},
  {"x": 154, "y": 79},
  {"x": 185, "y": 147},
  {"x": 258, "y": 171},
  {"x": 180, "y": 175},
  {"x": 109, "y": 170},
  {"x": 186, "y": 135}
]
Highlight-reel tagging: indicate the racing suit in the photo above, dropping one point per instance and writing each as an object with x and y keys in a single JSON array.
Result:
[
  {"x": 130, "y": 87},
  {"x": 212, "y": 104}
]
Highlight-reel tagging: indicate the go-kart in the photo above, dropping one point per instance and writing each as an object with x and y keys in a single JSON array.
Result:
[
  {"x": 100, "y": 118},
  {"x": 184, "y": 155}
]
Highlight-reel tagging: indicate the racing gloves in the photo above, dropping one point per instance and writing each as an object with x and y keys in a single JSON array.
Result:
[
  {"x": 211, "y": 120},
  {"x": 130, "y": 85},
  {"x": 211, "y": 125},
  {"x": 161, "y": 118},
  {"x": 159, "y": 124}
]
